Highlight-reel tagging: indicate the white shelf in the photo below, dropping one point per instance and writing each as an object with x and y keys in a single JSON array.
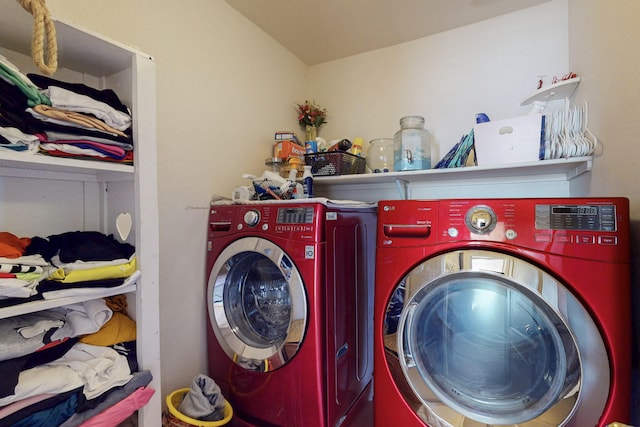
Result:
[
  {"x": 547, "y": 178},
  {"x": 87, "y": 56},
  {"x": 129, "y": 285},
  {"x": 27, "y": 165},
  {"x": 556, "y": 92},
  {"x": 561, "y": 169}
]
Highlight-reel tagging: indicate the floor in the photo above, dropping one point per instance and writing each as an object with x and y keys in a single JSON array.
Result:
[{"x": 363, "y": 414}]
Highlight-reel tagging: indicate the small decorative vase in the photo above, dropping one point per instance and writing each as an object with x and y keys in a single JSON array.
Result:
[{"x": 310, "y": 133}]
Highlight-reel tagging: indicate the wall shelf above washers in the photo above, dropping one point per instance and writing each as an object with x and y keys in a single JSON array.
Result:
[
  {"x": 556, "y": 177},
  {"x": 566, "y": 168}
]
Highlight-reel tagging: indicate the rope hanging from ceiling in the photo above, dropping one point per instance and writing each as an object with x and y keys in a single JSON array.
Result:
[{"x": 43, "y": 28}]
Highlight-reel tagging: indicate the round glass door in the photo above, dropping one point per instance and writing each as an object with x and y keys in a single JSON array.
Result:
[
  {"x": 489, "y": 338},
  {"x": 257, "y": 304}
]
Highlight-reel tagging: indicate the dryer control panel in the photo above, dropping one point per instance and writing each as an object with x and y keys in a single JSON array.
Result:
[
  {"x": 576, "y": 217},
  {"x": 596, "y": 228}
]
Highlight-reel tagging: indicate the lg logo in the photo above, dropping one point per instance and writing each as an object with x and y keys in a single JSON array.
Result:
[{"x": 309, "y": 252}]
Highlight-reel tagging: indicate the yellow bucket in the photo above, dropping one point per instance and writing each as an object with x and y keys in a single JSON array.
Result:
[{"x": 174, "y": 416}]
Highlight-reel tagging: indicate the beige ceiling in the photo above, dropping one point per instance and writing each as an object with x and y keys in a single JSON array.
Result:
[{"x": 317, "y": 31}]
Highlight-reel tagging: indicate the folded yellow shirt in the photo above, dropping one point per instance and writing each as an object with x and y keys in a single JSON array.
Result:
[
  {"x": 120, "y": 328},
  {"x": 97, "y": 273}
]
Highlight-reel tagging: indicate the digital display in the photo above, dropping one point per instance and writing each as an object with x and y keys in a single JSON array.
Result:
[
  {"x": 576, "y": 217},
  {"x": 575, "y": 210},
  {"x": 295, "y": 216}
]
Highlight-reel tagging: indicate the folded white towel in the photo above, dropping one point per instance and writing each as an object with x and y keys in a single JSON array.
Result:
[{"x": 71, "y": 101}]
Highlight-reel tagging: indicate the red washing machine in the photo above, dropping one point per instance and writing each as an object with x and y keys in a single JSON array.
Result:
[
  {"x": 290, "y": 303},
  {"x": 502, "y": 312}
]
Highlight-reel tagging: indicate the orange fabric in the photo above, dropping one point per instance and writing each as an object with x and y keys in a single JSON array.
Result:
[
  {"x": 84, "y": 120},
  {"x": 117, "y": 303},
  {"x": 12, "y": 246}
]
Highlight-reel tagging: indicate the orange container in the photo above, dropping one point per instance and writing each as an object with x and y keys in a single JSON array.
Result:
[{"x": 285, "y": 149}]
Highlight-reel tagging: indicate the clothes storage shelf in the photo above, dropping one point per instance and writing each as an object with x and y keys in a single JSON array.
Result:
[
  {"x": 549, "y": 178},
  {"x": 30, "y": 307},
  {"x": 43, "y": 195},
  {"x": 31, "y": 166}
]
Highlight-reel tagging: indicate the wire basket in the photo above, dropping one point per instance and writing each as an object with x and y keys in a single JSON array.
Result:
[{"x": 335, "y": 163}]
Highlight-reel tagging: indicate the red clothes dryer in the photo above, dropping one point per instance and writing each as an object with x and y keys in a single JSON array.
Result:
[
  {"x": 502, "y": 312},
  {"x": 290, "y": 303}
]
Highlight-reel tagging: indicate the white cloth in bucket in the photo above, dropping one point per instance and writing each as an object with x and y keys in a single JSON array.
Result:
[{"x": 203, "y": 401}]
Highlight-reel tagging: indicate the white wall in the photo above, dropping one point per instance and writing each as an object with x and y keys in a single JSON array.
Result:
[
  {"x": 224, "y": 87},
  {"x": 486, "y": 67},
  {"x": 604, "y": 49}
]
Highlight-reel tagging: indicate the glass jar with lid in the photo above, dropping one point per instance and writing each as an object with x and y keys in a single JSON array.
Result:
[{"x": 412, "y": 145}]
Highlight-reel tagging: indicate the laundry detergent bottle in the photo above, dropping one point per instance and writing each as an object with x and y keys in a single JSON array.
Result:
[
  {"x": 307, "y": 182},
  {"x": 412, "y": 145}
]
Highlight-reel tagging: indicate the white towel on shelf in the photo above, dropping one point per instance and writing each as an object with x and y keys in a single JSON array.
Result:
[
  {"x": 86, "y": 317},
  {"x": 71, "y": 101}
]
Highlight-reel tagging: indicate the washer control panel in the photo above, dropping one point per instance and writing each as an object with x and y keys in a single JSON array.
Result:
[{"x": 296, "y": 221}]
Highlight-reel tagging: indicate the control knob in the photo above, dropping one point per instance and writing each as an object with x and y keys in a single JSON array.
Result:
[
  {"x": 251, "y": 218},
  {"x": 481, "y": 219}
]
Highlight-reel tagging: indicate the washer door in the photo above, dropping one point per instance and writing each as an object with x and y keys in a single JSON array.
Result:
[
  {"x": 484, "y": 337},
  {"x": 257, "y": 304}
]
